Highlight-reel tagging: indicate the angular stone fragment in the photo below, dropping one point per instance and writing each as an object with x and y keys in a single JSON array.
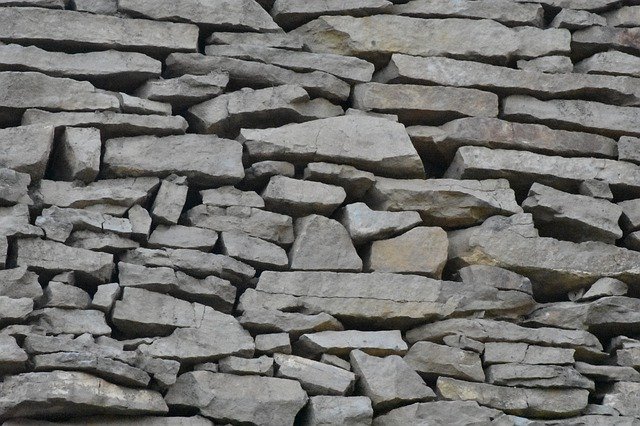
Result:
[
  {"x": 257, "y": 176},
  {"x": 467, "y": 39},
  {"x": 322, "y": 244},
  {"x": 335, "y": 361},
  {"x": 627, "y": 16},
  {"x": 19, "y": 283},
  {"x": 572, "y": 217},
  {"x": 431, "y": 361},
  {"x": 608, "y": 373},
  {"x": 14, "y": 222},
  {"x": 109, "y": 69},
  {"x": 134, "y": 105},
  {"x": 52, "y": 257},
  {"x": 596, "y": 189},
  {"x": 341, "y": 343},
  {"x": 26, "y": 149},
  {"x": 29, "y": 26},
  {"x": 269, "y": 107},
  {"x": 70, "y": 321},
  {"x": 445, "y": 202},
  {"x": 15, "y": 310},
  {"x": 241, "y": 15},
  {"x": 273, "y": 343},
  {"x": 262, "y": 366},
  {"x": 301, "y": 197},
  {"x": 12, "y": 357},
  {"x": 355, "y": 182},
  {"x": 594, "y": 5},
  {"x": 452, "y": 72},
  {"x": 293, "y": 13},
  {"x": 596, "y": 39},
  {"x": 502, "y": 279},
  {"x": 610, "y": 63},
  {"x": 78, "y": 155},
  {"x": 347, "y": 68},
  {"x": 456, "y": 413},
  {"x": 364, "y": 224},
  {"x": 522, "y": 169},
  {"x": 315, "y": 377},
  {"x": 13, "y": 187},
  {"x": 545, "y": 403},
  {"x": 576, "y": 19},
  {"x": 226, "y": 196},
  {"x": 462, "y": 342},
  {"x": 60, "y": 295},
  {"x": 111, "y": 124},
  {"x": 537, "y": 376},
  {"x": 101, "y": 241},
  {"x": 256, "y": 74},
  {"x": 547, "y": 64},
  {"x": 421, "y": 104},
  {"x": 186, "y": 237},
  {"x": 375, "y": 144},
  {"x": 421, "y": 251},
  {"x": 629, "y": 149},
  {"x": 185, "y": 90},
  {"x": 622, "y": 397},
  {"x": 293, "y": 323},
  {"x": 349, "y": 411},
  {"x": 59, "y": 223},
  {"x": 630, "y": 220},
  {"x": 258, "y": 223},
  {"x": 278, "y": 40},
  {"x": 605, "y": 287},
  {"x": 388, "y": 382},
  {"x": 252, "y": 250},
  {"x": 105, "y": 296},
  {"x": 170, "y": 199},
  {"x": 140, "y": 222},
  {"x": 524, "y": 353}
]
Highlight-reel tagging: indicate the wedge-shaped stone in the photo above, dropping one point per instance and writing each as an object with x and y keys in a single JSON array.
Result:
[
  {"x": 185, "y": 90},
  {"x": 78, "y": 155},
  {"x": 26, "y": 149},
  {"x": 627, "y": 16},
  {"x": 594, "y": 5},
  {"x": 522, "y": 169},
  {"x": 421, "y": 104},
  {"x": 545, "y": 403},
  {"x": 608, "y": 373},
  {"x": 61, "y": 295},
  {"x": 252, "y": 250},
  {"x": 503, "y": 11},
  {"x": 293, "y": 323},
  {"x": 35, "y": 90},
  {"x": 293, "y": 13},
  {"x": 59, "y": 223},
  {"x": 341, "y": 343},
  {"x": 226, "y": 196},
  {"x": 432, "y": 360},
  {"x": 554, "y": 64},
  {"x": 270, "y": 226},
  {"x": 108, "y": 69},
  {"x": 576, "y": 19},
  {"x": 345, "y": 67},
  {"x": 622, "y": 397},
  {"x": 610, "y": 63},
  {"x": 381, "y": 299},
  {"x": 265, "y": 401},
  {"x": 348, "y": 411},
  {"x": 111, "y": 124},
  {"x": 316, "y": 378},
  {"x": 14, "y": 187},
  {"x": 178, "y": 236},
  {"x": 30, "y": 26},
  {"x": 389, "y": 382},
  {"x": 587, "y": 116},
  {"x": 597, "y": 39},
  {"x": 18, "y": 283},
  {"x": 302, "y": 197},
  {"x": 99, "y": 241},
  {"x": 241, "y": 15},
  {"x": 259, "y": 173},
  {"x": 537, "y": 376},
  {"x": 257, "y": 74},
  {"x": 438, "y": 412},
  {"x": 70, "y": 321},
  {"x": 554, "y": 267},
  {"x": 12, "y": 357},
  {"x": 466, "y": 39},
  {"x": 269, "y": 107},
  {"x": 278, "y": 40},
  {"x": 53, "y": 257},
  {"x": 365, "y": 225},
  {"x": 445, "y": 202},
  {"x": 573, "y": 217},
  {"x": 14, "y": 222},
  {"x": 50, "y": 4},
  {"x": 496, "y": 133},
  {"x": 524, "y": 353},
  {"x": 374, "y": 144},
  {"x": 73, "y": 393},
  {"x": 355, "y": 182},
  {"x": 494, "y": 276},
  {"x": 15, "y": 310},
  {"x": 451, "y": 72},
  {"x": 205, "y": 160}
]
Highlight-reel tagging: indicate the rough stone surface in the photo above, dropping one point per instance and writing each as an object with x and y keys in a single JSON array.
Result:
[
  {"x": 432, "y": 360},
  {"x": 302, "y": 197}
]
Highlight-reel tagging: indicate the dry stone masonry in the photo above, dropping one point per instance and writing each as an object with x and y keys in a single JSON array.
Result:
[{"x": 319, "y": 212}]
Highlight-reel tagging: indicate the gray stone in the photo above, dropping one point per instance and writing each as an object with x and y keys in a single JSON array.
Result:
[
  {"x": 140, "y": 220},
  {"x": 609, "y": 63},
  {"x": 53, "y": 257},
  {"x": 445, "y": 202},
  {"x": 135, "y": 105},
  {"x": 26, "y": 149},
  {"x": 226, "y": 196},
  {"x": 500, "y": 278},
  {"x": 432, "y": 360},
  {"x": 101, "y": 241},
  {"x": 596, "y": 189},
  {"x": 269, "y": 226},
  {"x": 302, "y": 197},
  {"x": 422, "y": 104},
  {"x": 626, "y": 16},
  {"x": 13, "y": 187},
  {"x": 108, "y": 69},
  {"x": 78, "y": 155},
  {"x": 622, "y": 397},
  {"x": 468, "y": 39},
  {"x": 243, "y": 15},
  {"x": 278, "y": 40},
  {"x": 252, "y": 250},
  {"x": 15, "y": 310},
  {"x": 547, "y": 64},
  {"x": 19, "y": 283},
  {"x": 336, "y": 361},
  {"x": 375, "y": 144},
  {"x": 524, "y": 353},
  {"x": 185, "y": 90},
  {"x": 186, "y": 237},
  {"x": 50, "y": 4},
  {"x": 105, "y": 297},
  {"x": 350, "y": 69},
  {"x": 594, "y": 5},
  {"x": 629, "y": 149},
  {"x": 269, "y": 107},
  {"x": 336, "y": 410},
  {"x": 364, "y": 224},
  {"x": 14, "y": 222},
  {"x": 59, "y": 295},
  {"x": 262, "y": 366},
  {"x": 316, "y": 378},
  {"x": 272, "y": 343},
  {"x": 549, "y": 403},
  {"x": 576, "y": 19},
  {"x": 293, "y": 324},
  {"x": 28, "y": 25},
  {"x": 630, "y": 220},
  {"x": 12, "y": 357},
  {"x": 605, "y": 287},
  {"x": 322, "y": 244},
  {"x": 204, "y": 160},
  {"x": 462, "y": 342},
  {"x": 355, "y": 182},
  {"x": 101, "y": 7},
  {"x": 572, "y": 217},
  {"x": 42, "y": 394},
  {"x": 453, "y": 413},
  {"x": 161, "y": 280},
  {"x": 389, "y": 382},
  {"x": 293, "y": 13},
  {"x": 212, "y": 291},
  {"x": 421, "y": 251},
  {"x": 256, "y": 74},
  {"x": 257, "y": 176},
  {"x": 608, "y": 373},
  {"x": 170, "y": 199},
  {"x": 537, "y": 376},
  {"x": 58, "y": 223},
  {"x": 70, "y": 321},
  {"x": 341, "y": 343}
]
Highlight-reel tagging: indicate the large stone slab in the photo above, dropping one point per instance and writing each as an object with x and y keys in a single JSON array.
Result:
[
  {"x": 341, "y": 343},
  {"x": 185, "y": 90},
  {"x": 421, "y": 104},
  {"x": 109, "y": 69},
  {"x": 65, "y": 393},
  {"x": 432, "y": 360},
  {"x": 597, "y": 39},
  {"x": 32, "y": 26},
  {"x": 348, "y": 411},
  {"x": 365, "y": 224},
  {"x": 239, "y": 15},
  {"x": 377, "y": 37},
  {"x": 445, "y": 202},
  {"x": 293, "y": 13},
  {"x": 379, "y": 298},
  {"x": 316, "y": 378},
  {"x": 586, "y": 116},
  {"x": 15, "y": 222},
  {"x": 609, "y": 63},
  {"x": 294, "y": 323},
  {"x": 26, "y": 149},
  {"x": 265, "y": 401},
  {"x": 14, "y": 187},
  {"x": 457, "y": 413},
  {"x": 204, "y": 160},
  {"x": 523, "y": 168},
  {"x": 374, "y": 144},
  {"x": 538, "y": 376}
]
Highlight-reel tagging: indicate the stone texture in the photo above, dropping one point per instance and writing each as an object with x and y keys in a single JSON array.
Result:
[
  {"x": 547, "y": 64},
  {"x": 26, "y": 149},
  {"x": 537, "y": 376},
  {"x": 252, "y": 250},
  {"x": 524, "y": 353},
  {"x": 13, "y": 187},
  {"x": 12, "y": 357},
  {"x": 59, "y": 223},
  {"x": 79, "y": 155},
  {"x": 14, "y": 222},
  {"x": 622, "y": 398},
  {"x": 348, "y": 411},
  {"x": 70, "y": 321},
  {"x": 273, "y": 343},
  {"x": 185, "y": 237},
  {"x": 278, "y": 40},
  {"x": 19, "y": 283},
  {"x": 364, "y": 224},
  {"x": 301, "y": 197},
  {"x": 500, "y": 278},
  {"x": 293, "y": 13},
  {"x": 170, "y": 200},
  {"x": 609, "y": 63},
  {"x": 226, "y": 196},
  {"x": 60, "y": 295},
  {"x": 576, "y": 19},
  {"x": 341, "y": 343},
  {"x": 432, "y": 360},
  {"x": 262, "y": 320},
  {"x": 596, "y": 39},
  {"x": 355, "y": 182},
  {"x": 316, "y": 378},
  {"x": 262, "y": 366},
  {"x": 458, "y": 413},
  {"x": 185, "y": 90}
]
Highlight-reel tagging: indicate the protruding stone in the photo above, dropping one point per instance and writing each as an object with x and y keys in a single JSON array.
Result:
[
  {"x": 626, "y": 16},
  {"x": 293, "y": 323},
  {"x": 79, "y": 155},
  {"x": 273, "y": 343},
  {"x": 547, "y": 64},
  {"x": 13, "y": 187},
  {"x": 431, "y": 361},
  {"x": 293, "y": 13},
  {"x": 26, "y": 149},
  {"x": 59, "y": 295},
  {"x": 315, "y": 377},
  {"x": 257, "y": 176},
  {"x": 70, "y": 321},
  {"x": 187, "y": 237},
  {"x": 185, "y": 90},
  {"x": 140, "y": 220},
  {"x": 12, "y": 357},
  {"x": 226, "y": 196},
  {"x": 301, "y": 198},
  {"x": 15, "y": 222},
  {"x": 19, "y": 283},
  {"x": 105, "y": 297},
  {"x": 355, "y": 182},
  {"x": 262, "y": 366},
  {"x": 576, "y": 19},
  {"x": 500, "y": 278},
  {"x": 605, "y": 287},
  {"x": 610, "y": 63},
  {"x": 347, "y": 411},
  {"x": 365, "y": 225},
  {"x": 524, "y": 353},
  {"x": 252, "y": 250},
  {"x": 537, "y": 376},
  {"x": 596, "y": 189},
  {"x": 170, "y": 199},
  {"x": 622, "y": 398},
  {"x": 278, "y": 40},
  {"x": 439, "y": 412},
  {"x": 341, "y": 343}
]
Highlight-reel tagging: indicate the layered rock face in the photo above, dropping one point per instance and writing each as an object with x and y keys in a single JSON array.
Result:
[{"x": 319, "y": 212}]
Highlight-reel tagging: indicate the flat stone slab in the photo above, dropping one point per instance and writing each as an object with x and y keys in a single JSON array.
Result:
[
  {"x": 26, "y": 149},
  {"x": 293, "y": 13}
]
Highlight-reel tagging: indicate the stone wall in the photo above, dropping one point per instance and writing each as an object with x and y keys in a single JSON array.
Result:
[{"x": 337, "y": 212}]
